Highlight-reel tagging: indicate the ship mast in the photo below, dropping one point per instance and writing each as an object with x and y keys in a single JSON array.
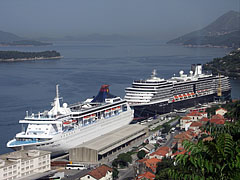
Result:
[{"x": 219, "y": 90}]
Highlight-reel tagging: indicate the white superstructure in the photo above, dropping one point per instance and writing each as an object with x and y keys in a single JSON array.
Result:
[
  {"x": 157, "y": 96},
  {"x": 65, "y": 127}
]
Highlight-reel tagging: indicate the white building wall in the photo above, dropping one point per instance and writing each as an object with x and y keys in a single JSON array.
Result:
[{"x": 21, "y": 168}]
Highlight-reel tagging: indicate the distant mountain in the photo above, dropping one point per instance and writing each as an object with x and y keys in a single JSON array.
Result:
[
  {"x": 10, "y": 39},
  {"x": 225, "y": 31},
  {"x": 99, "y": 37}
]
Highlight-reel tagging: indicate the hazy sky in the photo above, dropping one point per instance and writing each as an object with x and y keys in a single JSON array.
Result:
[{"x": 162, "y": 18}]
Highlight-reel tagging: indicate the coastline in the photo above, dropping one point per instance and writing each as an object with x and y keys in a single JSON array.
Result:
[{"x": 30, "y": 59}]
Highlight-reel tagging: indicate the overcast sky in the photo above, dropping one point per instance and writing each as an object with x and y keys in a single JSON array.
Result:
[{"x": 164, "y": 18}]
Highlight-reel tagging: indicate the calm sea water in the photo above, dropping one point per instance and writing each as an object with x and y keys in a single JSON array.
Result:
[{"x": 30, "y": 85}]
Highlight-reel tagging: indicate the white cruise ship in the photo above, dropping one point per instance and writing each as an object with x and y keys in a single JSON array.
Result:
[
  {"x": 62, "y": 128},
  {"x": 157, "y": 96}
]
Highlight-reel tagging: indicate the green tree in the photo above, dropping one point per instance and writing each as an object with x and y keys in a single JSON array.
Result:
[
  {"x": 122, "y": 160},
  {"x": 166, "y": 128},
  {"x": 162, "y": 169},
  {"x": 218, "y": 159},
  {"x": 115, "y": 173},
  {"x": 141, "y": 154}
]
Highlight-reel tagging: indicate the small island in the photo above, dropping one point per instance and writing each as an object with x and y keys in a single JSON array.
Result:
[
  {"x": 12, "y": 56},
  {"x": 228, "y": 65}
]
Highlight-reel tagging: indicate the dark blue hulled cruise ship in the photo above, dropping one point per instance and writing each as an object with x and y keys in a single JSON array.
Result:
[{"x": 158, "y": 96}]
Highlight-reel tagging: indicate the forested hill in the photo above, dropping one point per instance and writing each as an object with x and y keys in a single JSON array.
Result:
[
  {"x": 228, "y": 65},
  {"x": 223, "y": 32},
  {"x": 21, "y": 56}
]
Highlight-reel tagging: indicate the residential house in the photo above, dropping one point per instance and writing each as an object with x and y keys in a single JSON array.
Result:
[
  {"x": 195, "y": 116},
  {"x": 184, "y": 122},
  {"x": 195, "y": 126},
  {"x": 146, "y": 175},
  {"x": 161, "y": 152},
  {"x": 221, "y": 111},
  {"x": 217, "y": 119},
  {"x": 102, "y": 172}
]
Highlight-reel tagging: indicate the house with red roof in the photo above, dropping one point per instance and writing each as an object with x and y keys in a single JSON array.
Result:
[
  {"x": 146, "y": 175},
  {"x": 184, "y": 122},
  {"x": 161, "y": 152},
  {"x": 217, "y": 119},
  {"x": 145, "y": 165},
  {"x": 204, "y": 120},
  {"x": 221, "y": 111},
  {"x": 102, "y": 172},
  {"x": 195, "y": 126},
  {"x": 179, "y": 138},
  {"x": 177, "y": 153},
  {"x": 195, "y": 116}
]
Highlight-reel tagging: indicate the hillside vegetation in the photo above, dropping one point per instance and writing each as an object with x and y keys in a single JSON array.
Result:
[
  {"x": 15, "y": 55},
  {"x": 228, "y": 65},
  {"x": 224, "y": 32}
]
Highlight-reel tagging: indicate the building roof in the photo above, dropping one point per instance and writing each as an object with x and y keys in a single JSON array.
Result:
[
  {"x": 204, "y": 119},
  {"x": 146, "y": 175},
  {"x": 113, "y": 139},
  {"x": 196, "y": 124},
  {"x": 149, "y": 147},
  {"x": 24, "y": 155},
  {"x": 162, "y": 151},
  {"x": 178, "y": 152},
  {"x": 195, "y": 113},
  {"x": 217, "y": 121},
  {"x": 209, "y": 138},
  {"x": 217, "y": 116},
  {"x": 186, "y": 118},
  {"x": 183, "y": 136},
  {"x": 152, "y": 163},
  {"x": 221, "y": 109},
  {"x": 100, "y": 171}
]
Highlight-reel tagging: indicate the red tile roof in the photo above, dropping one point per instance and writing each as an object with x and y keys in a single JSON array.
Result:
[
  {"x": 209, "y": 138},
  {"x": 162, "y": 151},
  {"x": 183, "y": 136},
  {"x": 217, "y": 116},
  {"x": 205, "y": 119},
  {"x": 152, "y": 163},
  {"x": 100, "y": 171},
  {"x": 177, "y": 153},
  {"x": 186, "y": 118},
  {"x": 196, "y": 124},
  {"x": 146, "y": 175},
  {"x": 217, "y": 121},
  {"x": 195, "y": 113}
]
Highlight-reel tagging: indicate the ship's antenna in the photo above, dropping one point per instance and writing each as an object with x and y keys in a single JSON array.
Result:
[
  {"x": 219, "y": 90},
  {"x": 154, "y": 73},
  {"x": 57, "y": 92}
]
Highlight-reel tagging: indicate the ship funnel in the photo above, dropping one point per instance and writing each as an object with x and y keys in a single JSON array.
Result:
[
  {"x": 198, "y": 70},
  {"x": 103, "y": 94}
]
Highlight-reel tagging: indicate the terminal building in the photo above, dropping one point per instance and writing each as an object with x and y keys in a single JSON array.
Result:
[
  {"x": 23, "y": 163},
  {"x": 105, "y": 145}
]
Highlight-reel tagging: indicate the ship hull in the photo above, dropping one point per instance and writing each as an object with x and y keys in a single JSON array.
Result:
[
  {"x": 62, "y": 142},
  {"x": 165, "y": 107}
]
